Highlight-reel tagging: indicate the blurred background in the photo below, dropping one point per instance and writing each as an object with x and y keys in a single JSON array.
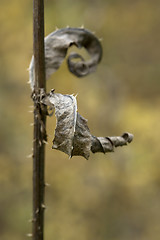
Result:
[{"x": 114, "y": 196}]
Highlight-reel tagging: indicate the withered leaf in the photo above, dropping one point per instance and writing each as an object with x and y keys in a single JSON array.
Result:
[
  {"x": 107, "y": 144},
  {"x": 82, "y": 138},
  {"x": 72, "y": 134},
  {"x": 56, "y": 46},
  {"x": 66, "y": 114}
]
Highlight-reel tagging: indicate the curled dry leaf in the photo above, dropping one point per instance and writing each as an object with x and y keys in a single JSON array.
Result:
[
  {"x": 56, "y": 46},
  {"x": 72, "y": 134},
  {"x": 107, "y": 144}
]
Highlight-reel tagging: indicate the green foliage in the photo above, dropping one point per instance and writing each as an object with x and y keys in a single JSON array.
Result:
[{"x": 112, "y": 197}]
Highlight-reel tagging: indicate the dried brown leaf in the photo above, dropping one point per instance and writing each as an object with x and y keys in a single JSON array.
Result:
[
  {"x": 66, "y": 114},
  {"x": 82, "y": 138},
  {"x": 56, "y": 46},
  {"x": 107, "y": 144},
  {"x": 72, "y": 134}
]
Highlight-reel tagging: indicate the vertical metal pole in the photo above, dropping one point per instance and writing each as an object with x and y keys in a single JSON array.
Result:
[{"x": 39, "y": 122}]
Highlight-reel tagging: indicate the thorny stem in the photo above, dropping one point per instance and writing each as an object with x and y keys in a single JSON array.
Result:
[{"x": 39, "y": 122}]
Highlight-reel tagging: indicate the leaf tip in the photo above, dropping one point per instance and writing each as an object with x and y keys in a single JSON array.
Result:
[{"x": 128, "y": 137}]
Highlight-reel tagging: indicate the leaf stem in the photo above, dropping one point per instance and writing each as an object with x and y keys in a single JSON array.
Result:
[{"x": 39, "y": 121}]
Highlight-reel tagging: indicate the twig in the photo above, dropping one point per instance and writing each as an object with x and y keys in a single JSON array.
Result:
[{"x": 39, "y": 121}]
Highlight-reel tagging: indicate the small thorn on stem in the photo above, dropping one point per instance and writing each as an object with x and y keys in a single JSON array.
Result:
[
  {"x": 29, "y": 235},
  {"x": 43, "y": 206},
  {"x": 46, "y": 184},
  {"x": 37, "y": 211},
  {"x": 30, "y": 155},
  {"x": 45, "y": 142},
  {"x": 31, "y": 220}
]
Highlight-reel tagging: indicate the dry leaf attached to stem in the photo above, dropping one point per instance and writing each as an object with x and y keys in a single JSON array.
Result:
[
  {"x": 56, "y": 46},
  {"x": 72, "y": 135}
]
